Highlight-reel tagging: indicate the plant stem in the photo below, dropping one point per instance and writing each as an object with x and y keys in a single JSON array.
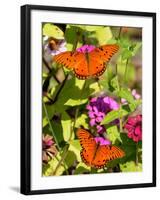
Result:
[
  {"x": 137, "y": 154},
  {"x": 119, "y": 34},
  {"x": 120, "y": 120},
  {"x": 60, "y": 88},
  {"x": 126, "y": 69},
  {"x": 65, "y": 152},
  {"x": 54, "y": 136}
]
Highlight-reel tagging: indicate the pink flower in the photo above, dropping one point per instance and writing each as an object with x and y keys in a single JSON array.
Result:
[
  {"x": 134, "y": 127},
  {"x": 85, "y": 48},
  {"x": 102, "y": 141},
  {"x": 49, "y": 149},
  {"x": 97, "y": 108}
]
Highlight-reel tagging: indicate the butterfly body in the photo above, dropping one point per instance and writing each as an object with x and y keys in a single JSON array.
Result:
[
  {"x": 93, "y": 153},
  {"x": 87, "y": 64}
]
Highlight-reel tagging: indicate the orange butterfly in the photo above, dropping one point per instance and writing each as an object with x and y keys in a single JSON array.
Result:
[
  {"x": 94, "y": 154},
  {"x": 87, "y": 63}
]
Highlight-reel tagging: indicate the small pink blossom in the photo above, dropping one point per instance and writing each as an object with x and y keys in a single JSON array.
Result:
[
  {"x": 85, "y": 48},
  {"x": 102, "y": 141}
]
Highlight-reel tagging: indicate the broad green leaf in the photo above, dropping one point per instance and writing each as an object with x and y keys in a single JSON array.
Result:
[
  {"x": 82, "y": 168},
  {"x": 51, "y": 30},
  {"x": 131, "y": 167},
  {"x": 45, "y": 121},
  {"x": 50, "y": 111},
  {"x": 127, "y": 95},
  {"x": 75, "y": 146},
  {"x": 115, "y": 114},
  {"x": 49, "y": 170},
  {"x": 95, "y": 87},
  {"x": 70, "y": 159},
  {"x": 114, "y": 83},
  {"x": 57, "y": 128},
  {"x": 113, "y": 134},
  {"x": 66, "y": 126},
  {"x": 82, "y": 120},
  {"x": 126, "y": 54},
  {"x": 73, "y": 34},
  {"x": 103, "y": 34}
]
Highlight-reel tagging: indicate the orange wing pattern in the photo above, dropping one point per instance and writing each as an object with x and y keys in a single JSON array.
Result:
[
  {"x": 85, "y": 65},
  {"x": 94, "y": 154}
]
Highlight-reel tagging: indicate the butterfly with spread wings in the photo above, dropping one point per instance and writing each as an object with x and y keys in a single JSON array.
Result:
[
  {"x": 87, "y": 64},
  {"x": 94, "y": 154}
]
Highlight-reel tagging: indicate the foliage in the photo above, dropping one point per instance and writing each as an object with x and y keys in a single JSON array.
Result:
[{"x": 65, "y": 98}]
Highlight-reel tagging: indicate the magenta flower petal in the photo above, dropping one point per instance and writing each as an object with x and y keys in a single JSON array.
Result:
[
  {"x": 99, "y": 119},
  {"x": 102, "y": 141},
  {"x": 92, "y": 122},
  {"x": 91, "y": 114},
  {"x": 95, "y": 110},
  {"x": 100, "y": 129},
  {"x": 89, "y": 107},
  {"x": 85, "y": 48},
  {"x": 134, "y": 128}
]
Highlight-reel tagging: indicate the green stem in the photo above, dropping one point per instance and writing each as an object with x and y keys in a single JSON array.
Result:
[
  {"x": 65, "y": 152},
  {"x": 119, "y": 34},
  {"x": 60, "y": 89},
  {"x": 137, "y": 154},
  {"x": 120, "y": 120},
  {"x": 54, "y": 136},
  {"x": 126, "y": 69}
]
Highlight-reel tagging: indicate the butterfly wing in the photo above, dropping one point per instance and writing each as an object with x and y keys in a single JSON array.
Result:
[
  {"x": 98, "y": 58},
  {"x": 88, "y": 146},
  {"x": 105, "y": 154},
  {"x": 75, "y": 61},
  {"x": 66, "y": 58}
]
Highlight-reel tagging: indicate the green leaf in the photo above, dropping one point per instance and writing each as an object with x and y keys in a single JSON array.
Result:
[
  {"x": 82, "y": 120},
  {"x": 131, "y": 167},
  {"x": 51, "y": 30},
  {"x": 75, "y": 146},
  {"x": 113, "y": 134},
  {"x": 115, "y": 114},
  {"x": 127, "y": 95},
  {"x": 66, "y": 126},
  {"x": 70, "y": 159},
  {"x": 73, "y": 34},
  {"x": 50, "y": 110},
  {"x": 45, "y": 122},
  {"x": 126, "y": 54},
  {"x": 114, "y": 83},
  {"x": 136, "y": 48},
  {"x": 72, "y": 94},
  {"x": 51, "y": 166},
  {"x": 103, "y": 34},
  {"x": 82, "y": 168}
]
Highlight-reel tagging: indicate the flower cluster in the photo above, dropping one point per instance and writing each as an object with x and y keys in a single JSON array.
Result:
[
  {"x": 97, "y": 108},
  {"x": 49, "y": 149},
  {"x": 134, "y": 128}
]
